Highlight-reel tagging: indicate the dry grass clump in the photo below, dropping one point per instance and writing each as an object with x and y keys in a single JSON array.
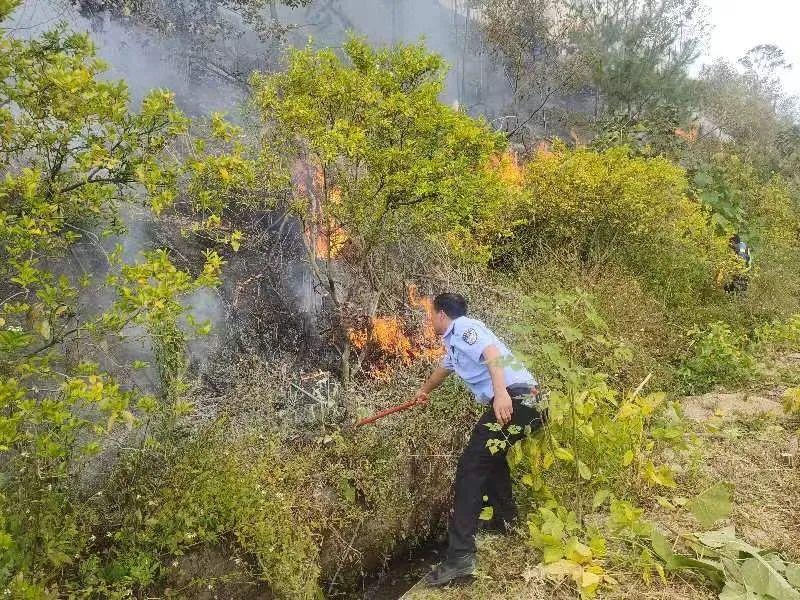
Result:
[{"x": 767, "y": 488}]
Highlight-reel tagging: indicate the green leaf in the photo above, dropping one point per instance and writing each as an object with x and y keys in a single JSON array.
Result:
[
  {"x": 584, "y": 470},
  {"x": 487, "y": 513},
  {"x": 598, "y": 545},
  {"x": 577, "y": 551},
  {"x": 551, "y": 554},
  {"x": 665, "y": 503},
  {"x": 711, "y": 569},
  {"x": 600, "y": 497},
  {"x": 792, "y": 574},
  {"x": 44, "y": 329},
  {"x": 564, "y": 454},
  {"x": 702, "y": 179},
  {"x": 712, "y": 504},
  {"x": 662, "y": 547},
  {"x": 5, "y": 540},
  {"x": 735, "y": 591},
  {"x": 717, "y": 539},
  {"x": 710, "y": 198},
  {"x": 348, "y": 491},
  {"x": 759, "y": 577},
  {"x": 661, "y": 475},
  {"x": 627, "y": 459}
]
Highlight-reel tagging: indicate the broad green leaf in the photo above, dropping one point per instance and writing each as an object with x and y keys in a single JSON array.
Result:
[
  {"x": 792, "y": 574},
  {"x": 661, "y": 475},
  {"x": 564, "y": 454},
  {"x": 759, "y": 577},
  {"x": 562, "y": 568},
  {"x": 551, "y": 554},
  {"x": 600, "y": 497},
  {"x": 598, "y": 545},
  {"x": 717, "y": 539},
  {"x": 735, "y": 591},
  {"x": 732, "y": 568},
  {"x": 712, "y": 504},
  {"x": 487, "y": 513},
  {"x": 577, "y": 551},
  {"x": 627, "y": 459},
  {"x": 776, "y": 562},
  {"x": 584, "y": 470},
  {"x": 712, "y": 569},
  {"x": 589, "y": 583},
  {"x": 662, "y": 547}
]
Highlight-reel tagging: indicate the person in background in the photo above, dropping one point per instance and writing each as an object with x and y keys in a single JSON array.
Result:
[
  {"x": 739, "y": 282},
  {"x": 511, "y": 396}
]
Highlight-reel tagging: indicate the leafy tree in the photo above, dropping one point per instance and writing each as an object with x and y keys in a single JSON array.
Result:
[
  {"x": 640, "y": 51},
  {"x": 533, "y": 42},
  {"x": 633, "y": 54},
  {"x": 655, "y": 134},
  {"x": 763, "y": 65},
  {"x": 71, "y": 153},
  {"x": 393, "y": 162},
  {"x": 747, "y": 105}
]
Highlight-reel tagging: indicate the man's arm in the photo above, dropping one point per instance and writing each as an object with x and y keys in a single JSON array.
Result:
[
  {"x": 503, "y": 408},
  {"x": 431, "y": 383}
]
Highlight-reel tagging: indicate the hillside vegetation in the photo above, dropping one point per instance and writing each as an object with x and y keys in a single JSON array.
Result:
[{"x": 604, "y": 257}]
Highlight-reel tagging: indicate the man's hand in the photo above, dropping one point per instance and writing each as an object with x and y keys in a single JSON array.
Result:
[
  {"x": 420, "y": 397},
  {"x": 503, "y": 408},
  {"x": 434, "y": 381}
]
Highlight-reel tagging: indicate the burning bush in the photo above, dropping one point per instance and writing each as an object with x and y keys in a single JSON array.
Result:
[{"x": 389, "y": 341}]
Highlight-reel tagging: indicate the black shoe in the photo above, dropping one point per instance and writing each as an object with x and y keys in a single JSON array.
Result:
[{"x": 450, "y": 570}]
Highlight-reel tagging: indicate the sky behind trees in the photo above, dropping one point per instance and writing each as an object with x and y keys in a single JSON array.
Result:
[{"x": 738, "y": 25}]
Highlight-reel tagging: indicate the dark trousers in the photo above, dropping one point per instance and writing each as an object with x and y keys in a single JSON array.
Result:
[{"x": 481, "y": 473}]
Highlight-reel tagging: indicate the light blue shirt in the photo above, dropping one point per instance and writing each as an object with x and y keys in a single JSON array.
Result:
[{"x": 464, "y": 343}]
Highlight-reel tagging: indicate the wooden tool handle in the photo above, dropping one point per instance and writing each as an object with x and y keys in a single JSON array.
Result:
[{"x": 400, "y": 407}]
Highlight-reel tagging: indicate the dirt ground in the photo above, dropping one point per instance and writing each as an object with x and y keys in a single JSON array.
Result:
[{"x": 746, "y": 440}]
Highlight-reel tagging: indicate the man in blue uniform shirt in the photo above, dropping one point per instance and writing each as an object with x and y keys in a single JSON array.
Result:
[{"x": 510, "y": 392}]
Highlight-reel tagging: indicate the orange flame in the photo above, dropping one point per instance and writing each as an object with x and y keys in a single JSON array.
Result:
[
  {"x": 322, "y": 231},
  {"x": 394, "y": 340},
  {"x": 428, "y": 341},
  {"x": 689, "y": 136}
]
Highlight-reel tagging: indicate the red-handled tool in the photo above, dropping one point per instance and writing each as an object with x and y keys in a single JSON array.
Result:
[{"x": 400, "y": 407}]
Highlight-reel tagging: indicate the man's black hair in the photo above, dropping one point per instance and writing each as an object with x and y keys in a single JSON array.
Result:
[{"x": 453, "y": 305}]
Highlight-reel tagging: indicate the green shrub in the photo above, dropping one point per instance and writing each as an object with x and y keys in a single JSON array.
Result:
[
  {"x": 609, "y": 207},
  {"x": 632, "y": 315},
  {"x": 774, "y": 229},
  {"x": 716, "y": 356},
  {"x": 169, "y": 498},
  {"x": 601, "y": 446}
]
